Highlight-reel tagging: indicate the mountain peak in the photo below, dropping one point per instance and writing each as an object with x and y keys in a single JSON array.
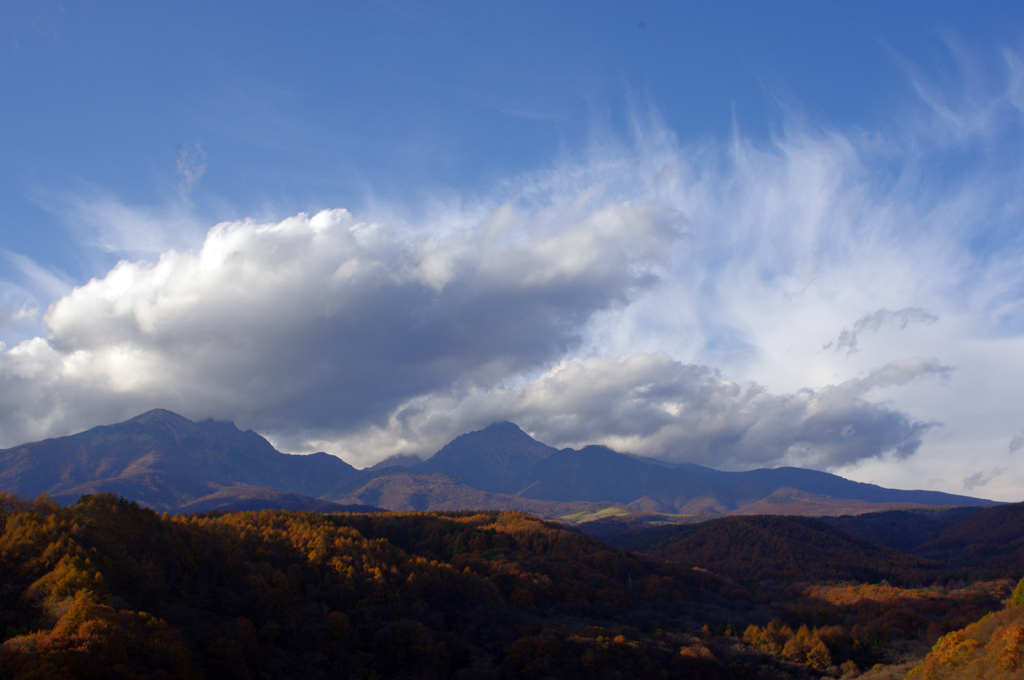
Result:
[
  {"x": 493, "y": 459},
  {"x": 158, "y": 415},
  {"x": 502, "y": 425},
  {"x": 500, "y": 428}
]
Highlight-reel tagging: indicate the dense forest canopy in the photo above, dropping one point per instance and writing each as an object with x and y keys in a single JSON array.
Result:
[{"x": 106, "y": 589}]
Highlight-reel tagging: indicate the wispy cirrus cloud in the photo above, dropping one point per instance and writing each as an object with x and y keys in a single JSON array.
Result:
[
  {"x": 1016, "y": 443},
  {"x": 48, "y": 284},
  {"x": 661, "y": 297},
  {"x": 190, "y": 166},
  {"x": 981, "y": 478},
  {"x": 873, "y": 322}
]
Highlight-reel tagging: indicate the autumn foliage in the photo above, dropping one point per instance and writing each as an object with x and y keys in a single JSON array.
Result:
[
  {"x": 105, "y": 589},
  {"x": 992, "y": 647}
]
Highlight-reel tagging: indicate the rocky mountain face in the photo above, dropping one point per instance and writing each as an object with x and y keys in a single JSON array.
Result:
[{"x": 168, "y": 462}]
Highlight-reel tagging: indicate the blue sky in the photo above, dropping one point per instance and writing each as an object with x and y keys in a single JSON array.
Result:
[{"x": 734, "y": 234}]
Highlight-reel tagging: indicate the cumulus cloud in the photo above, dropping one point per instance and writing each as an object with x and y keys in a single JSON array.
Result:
[
  {"x": 661, "y": 298},
  {"x": 873, "y": 322},
  {"x": 653, "y": 405},
  {"x": 326, "y": 323}
]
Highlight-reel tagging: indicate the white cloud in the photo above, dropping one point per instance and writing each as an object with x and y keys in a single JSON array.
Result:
[
  {"x": 326, "y": 323},
  {"x": 668, "y": 299},
  {"x": 652, "y": 405}
]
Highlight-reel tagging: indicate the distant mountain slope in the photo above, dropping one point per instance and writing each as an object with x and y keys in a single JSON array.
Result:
[
  {"x": 779, "y": 548},
  {"x": 597, "y": 473},
  {"x": 163, "y": 460},
  {"x": 398, "y": 460},
  {"x": 792, "y": 502},
  {"x": 760, "y": 483},
  {"x": 494, "y": 459},
  {"x": 401, "y": 490},
  {"x": 242, "y": 497}
]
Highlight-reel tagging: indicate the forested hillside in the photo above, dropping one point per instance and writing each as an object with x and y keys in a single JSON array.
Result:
[
  {"x": 106, "y": 589},
  {"x": 990, "y": 648},
  {"x": 903, "y": 529},
  {"x": 782, "y": 549},
  {"x": 992, "y": 541}
]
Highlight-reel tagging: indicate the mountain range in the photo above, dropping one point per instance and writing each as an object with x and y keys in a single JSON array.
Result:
[{"x": 170, "y": 463}]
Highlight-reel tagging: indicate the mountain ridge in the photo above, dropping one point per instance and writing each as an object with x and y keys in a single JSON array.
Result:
[{"x": 167, "y": 461}]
